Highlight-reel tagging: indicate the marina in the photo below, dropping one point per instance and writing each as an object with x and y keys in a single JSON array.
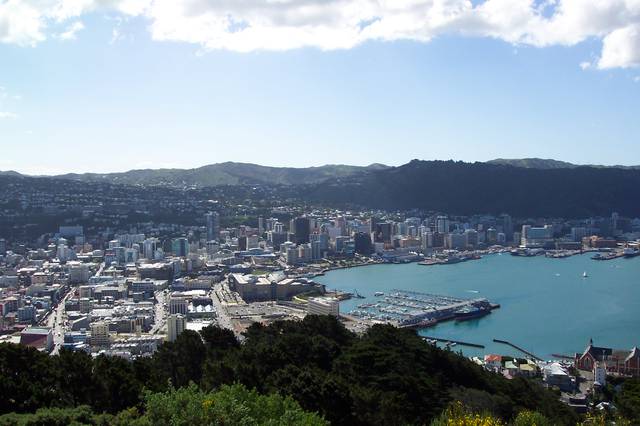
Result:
[{"x": 415, "y": 309}]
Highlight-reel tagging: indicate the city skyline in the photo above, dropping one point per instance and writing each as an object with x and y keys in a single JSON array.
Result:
[{"x": 140, "y": 86}]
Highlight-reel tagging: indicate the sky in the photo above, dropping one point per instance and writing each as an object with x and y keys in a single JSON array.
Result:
[{"x": 113, "y": 85}]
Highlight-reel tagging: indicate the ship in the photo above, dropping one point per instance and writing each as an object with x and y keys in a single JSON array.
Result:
[
  {"x": 629, "y": 252},
  {"x": 470, "y": 314},
  {"x": 378, "y": 294}
]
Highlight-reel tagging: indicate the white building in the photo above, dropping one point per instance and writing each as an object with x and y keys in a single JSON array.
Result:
[
  {"x": 599, "y": 374},
  {"x": 178, "y": 305},
  {"x": 176, "y": 324},
  {"x": 78, "y": 272},
  {"x": 323, "y": 306}
]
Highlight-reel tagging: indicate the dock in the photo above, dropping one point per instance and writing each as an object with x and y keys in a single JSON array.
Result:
[
  {"x": 411, "y": 309},
  {"x": 457, "y": 342},
  {"x": 524, "y": 351}
]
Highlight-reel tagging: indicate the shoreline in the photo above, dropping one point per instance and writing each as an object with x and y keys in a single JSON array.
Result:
[{"x": 547, "y": 348}]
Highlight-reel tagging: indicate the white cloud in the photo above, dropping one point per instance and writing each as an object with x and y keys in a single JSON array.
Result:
[
  {"x": 71, "y": 31},
  {"x": 6, "y": 115},
  {"x": 585, "y": 65},
  {"x": 621, "y": 48},
  {"x": 247, "y": 25}
]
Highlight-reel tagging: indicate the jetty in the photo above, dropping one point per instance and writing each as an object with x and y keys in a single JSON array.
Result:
[
  {"x": 418, "y": 310},
  {"x": 524, "y": 351}
]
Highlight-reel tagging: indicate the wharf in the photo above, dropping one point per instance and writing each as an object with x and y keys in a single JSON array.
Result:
[
  {"x": 412, "y": 309},
  {"x": 505, "y": 342}
]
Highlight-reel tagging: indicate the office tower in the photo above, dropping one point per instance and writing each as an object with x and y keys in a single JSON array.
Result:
[
  {"x": 100, "y": 334},
  {"x": 149, "y": 247},
  {"x": 383, "y": 232},
  {"x": 180, "y": 247},
  {"x": 443, "y": 224},
  {"x": 301, "y": 230},
  {"x": 260, "y": 225},
  {"x": 213, "y": 226},
  {"x": 176, "y": 324},
  {"x": 242, "y": 243},
  {"x": 507, "y": 226},
  {"x": 363, "y": 243}
]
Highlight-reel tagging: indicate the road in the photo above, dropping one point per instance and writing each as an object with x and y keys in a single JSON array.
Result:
[
  {"x": 160, "y": 312},
  {"x": 224, "y": 320},
  {"x": 56, "y": 322}
]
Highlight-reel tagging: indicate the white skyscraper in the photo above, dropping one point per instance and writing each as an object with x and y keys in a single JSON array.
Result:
[{"x": 176, "y": 324}]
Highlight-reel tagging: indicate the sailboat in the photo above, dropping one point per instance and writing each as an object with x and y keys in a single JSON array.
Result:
[{"x": 584, "y": 274}]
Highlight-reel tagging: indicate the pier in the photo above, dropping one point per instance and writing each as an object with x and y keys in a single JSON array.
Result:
[
  {"x": 457, "y": 342},
  {"x": 413, "y": 309},
  {"x": 504, "y": 342}
]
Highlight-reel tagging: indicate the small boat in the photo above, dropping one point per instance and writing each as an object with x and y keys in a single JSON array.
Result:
[
  {"x": 378, "y": 294},
  {"x": 584, "y": 274}
]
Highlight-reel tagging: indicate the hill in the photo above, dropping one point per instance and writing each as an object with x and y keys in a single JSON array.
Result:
[
  {"x": 228, "y": 173},
  {"x": 387, "y": 376},
  {"x": 468, "y": 188},
  {"x": 532, "y": 163},
  {"x": 546, "y": 164}
]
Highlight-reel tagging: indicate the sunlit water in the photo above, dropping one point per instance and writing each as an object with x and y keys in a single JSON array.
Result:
[{"x": 547, "y": 307}]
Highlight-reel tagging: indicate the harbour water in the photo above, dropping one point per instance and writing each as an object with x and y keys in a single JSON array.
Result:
[{"x": 547, "y": 306}]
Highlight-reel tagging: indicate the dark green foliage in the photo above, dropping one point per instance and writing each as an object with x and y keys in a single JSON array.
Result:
[
  {"x": 387, "y": 376},
  {"x": 470, "y": 188},
  {"x": 188, "y": 406},
  {"x": 628, "y": 400}
]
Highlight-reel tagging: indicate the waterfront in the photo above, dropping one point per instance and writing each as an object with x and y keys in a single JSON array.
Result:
[{"x": 547, "y": 307}]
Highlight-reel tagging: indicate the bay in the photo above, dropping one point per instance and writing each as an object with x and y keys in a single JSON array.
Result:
[{"x": 547, "y": 307}]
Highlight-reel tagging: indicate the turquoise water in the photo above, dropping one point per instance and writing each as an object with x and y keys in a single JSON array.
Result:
[{"x": 547, "y": 307}]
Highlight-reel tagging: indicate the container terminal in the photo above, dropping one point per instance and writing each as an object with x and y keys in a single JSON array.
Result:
[{"x": 420, "y": 310}]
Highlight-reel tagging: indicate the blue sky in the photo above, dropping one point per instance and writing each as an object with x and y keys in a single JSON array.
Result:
[{"x": 115, "y": 96}]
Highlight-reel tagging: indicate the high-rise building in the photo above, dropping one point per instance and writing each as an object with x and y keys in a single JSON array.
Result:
[
  {"x": 472, "y": 238},
  {"x": 316, "y": 253},
  {"x": 260, "y": 225},
  {"x": 3, "y": 246},
  {"x": 176, "y": 324},
  {"x": 178, "y": 305},
  {"x": 443, "y": 224},
  {"x": 213, "y": 226},
  {"x": 536, "y": 237},
  {"x": 149, "y": 247},
  {"x": 383, "y": 232},
  {"x": 242, "y": 243},
  {"x": 180, "y": 247},
  {"x": 301, "y": 230},
  {"x": 362, "y": 243},
  {"x": 492, "y": 236},
  {"x": 100, "y": 334},
  {"x": 507, "y": 226}
]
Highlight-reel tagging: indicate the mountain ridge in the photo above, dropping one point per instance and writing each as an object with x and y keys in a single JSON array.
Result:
[
  {"x": 219, "y": 174},
  {"x": 548, "y": 164}
]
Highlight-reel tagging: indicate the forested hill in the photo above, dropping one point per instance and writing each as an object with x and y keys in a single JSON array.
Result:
[
  {"x": 387, "y": 376},
  {"x": 467, "y": 188},
  {"x": 228, "y": 173},
  {"x": 543, "y": 163}
]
